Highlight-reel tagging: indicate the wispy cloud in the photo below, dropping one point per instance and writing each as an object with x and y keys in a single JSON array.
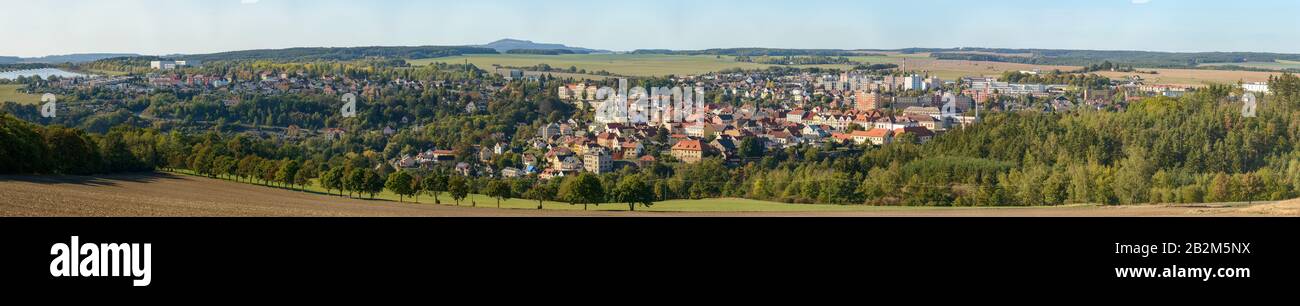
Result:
[
  {"x": 256, "y": 1},
  {"x": 1134, "y": 1}
]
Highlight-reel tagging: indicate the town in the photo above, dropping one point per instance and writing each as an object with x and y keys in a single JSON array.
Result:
[
  {"x": 540, "y": 126},
  {"x": 780, "y": 108}
]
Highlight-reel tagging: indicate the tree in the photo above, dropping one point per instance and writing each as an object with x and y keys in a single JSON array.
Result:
[
  {"x": 751, "y": 147},
  {"x": 374, "y": 183},
  {"x": 356, "y": 181},
  {"x": 458, "y": 187},
  {"x": 267, "y": 170},
  {"x": 1133, "y": 182},
  {"x": 247, "y": 167},
  {"x": 74, "y": 153},
  {"x": 498, "y": 189},
  {"x": 226, "y": 165},
  {"x": 582, "y": 189},
  {"x": 287, "y": 172},
  {"x": 417, "y": 186},
  {"x": 1220, "y": 188},
  {"x": 540, "y": 192},
  {"x": 332, "y": 179},
  {"x": 1250, "y": 186},
  {"x": 400, "y": 183},
  {"x": 435, "y": 183},
  {"x": 633, "y": 190}
]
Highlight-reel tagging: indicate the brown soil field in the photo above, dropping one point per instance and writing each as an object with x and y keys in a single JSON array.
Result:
[{"x": 179, "y": 195}]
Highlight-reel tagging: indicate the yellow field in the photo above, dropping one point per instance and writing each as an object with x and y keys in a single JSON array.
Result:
[{"x": 1194, "y": 77}]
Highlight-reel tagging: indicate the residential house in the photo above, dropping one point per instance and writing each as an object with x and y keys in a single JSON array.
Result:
[
  {"x": 876, "y": 136},
  {"x": 688, "y": 151}
]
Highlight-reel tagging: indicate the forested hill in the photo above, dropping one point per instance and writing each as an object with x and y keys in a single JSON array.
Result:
[
  {"x": 340, "y": 54},
  {"x": 754, "y": 52}
]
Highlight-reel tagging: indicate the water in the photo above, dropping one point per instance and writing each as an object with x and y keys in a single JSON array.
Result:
[{"x": 43, "y": 73}]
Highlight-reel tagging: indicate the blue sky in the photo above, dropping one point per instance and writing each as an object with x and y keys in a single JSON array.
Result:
[{"x": 202, "y": 26}]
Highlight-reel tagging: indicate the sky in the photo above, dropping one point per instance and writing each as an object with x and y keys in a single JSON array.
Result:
[{"x": 159, "y": 27}]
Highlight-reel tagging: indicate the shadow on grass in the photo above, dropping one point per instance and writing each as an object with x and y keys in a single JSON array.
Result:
[{"x": 90, "y": 180}]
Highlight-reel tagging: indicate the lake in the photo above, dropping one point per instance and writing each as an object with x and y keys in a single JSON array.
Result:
[{"x": 43, "y": 73}]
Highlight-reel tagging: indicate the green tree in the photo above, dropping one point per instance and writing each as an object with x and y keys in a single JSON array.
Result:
[
  {"x": 400, "y": 183},
  {"x": 1133, "y": 181},
  {"x": 458, "y": 187},
  {"x": 582, "y": 189},
  {"x": 302, "y": 178},
  {"x": 751, "y": 147},
  {"x": 374, "y": 183},
  {"x": 434, "y": 183},
  {"x": 498, "y": 189},
  {"x": 287, "y": 172},
  {"x": 333, "y": 179},
  {"x": 1220, "y": 188},
  {"x": 633, "y": 190},
  {"x": 268, "y": 169},
  {"x": 540, "y": 192},
  {"x": 355, "y": 182},
  {"x": 417, "y": 186}
]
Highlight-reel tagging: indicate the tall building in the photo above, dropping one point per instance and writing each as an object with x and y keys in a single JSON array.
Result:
[
  {"x": 868, "y": 100},
  {"x": 597, "y": 161},
  {"x": 913, "y": 82}
]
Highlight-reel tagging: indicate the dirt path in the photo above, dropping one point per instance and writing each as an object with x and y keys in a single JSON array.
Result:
[{"x": 178, "y": 195}]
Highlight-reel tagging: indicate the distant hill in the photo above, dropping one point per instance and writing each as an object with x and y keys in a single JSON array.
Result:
[
  {"x": 339, "y": 54},
  {"x": 508, "y": 44},
  {"x": 755, "y": 52},
  {"x": 58, "y": 59}
]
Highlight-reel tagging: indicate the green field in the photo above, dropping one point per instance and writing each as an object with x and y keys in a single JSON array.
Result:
[
  {"x": 9, "y": 92},
  {"x": 1279, "y": 65}
]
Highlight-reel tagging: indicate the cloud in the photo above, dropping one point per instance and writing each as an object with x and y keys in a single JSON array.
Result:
[
  {"x": 255, "y": 1},
  {"x": 1134, "y": 1}
]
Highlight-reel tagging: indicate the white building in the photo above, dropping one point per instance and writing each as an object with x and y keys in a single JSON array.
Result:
[
  {"x": 914, "y": 82},
  {"x": 169, "y": 65},
  {"x": 1259, "y": 87},
  {"x": 989, "y": 85}
]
